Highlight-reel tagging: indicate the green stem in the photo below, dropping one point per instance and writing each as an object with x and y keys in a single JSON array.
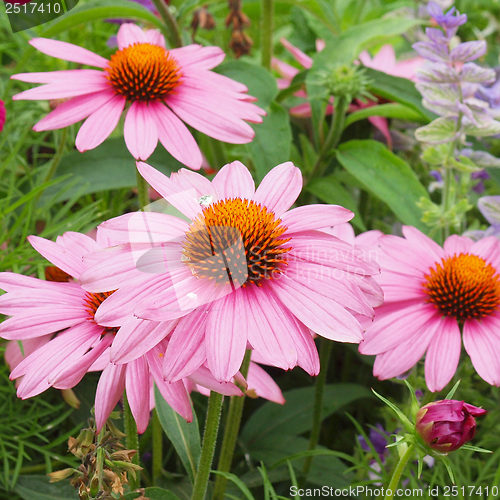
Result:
[
  {"x": 333, "y": 137},
  {"x": 231, "y": 430},
  {"x": 325, "y": 351},
  {"x": 174, "y": 36},
  {"x": 398, "y": 471},
  {"x": 266, "y": 33},
  {"x": 131, "y": 440},
  {"x": 157, "y": 438},
  {"x": 142, "y": 190},
  {"x": 208, "y": 446},
  {"x": 100, "y": 459}
]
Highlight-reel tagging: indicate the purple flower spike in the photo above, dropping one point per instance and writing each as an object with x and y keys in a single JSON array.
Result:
[{"x": 449, "y": 21}]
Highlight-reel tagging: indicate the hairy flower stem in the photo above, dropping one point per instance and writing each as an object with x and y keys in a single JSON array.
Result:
[
  {"x": 325, "y": 351},
  {"x": 142, "y": 190},
  {"x": 398, "y": 471},
  {"x": 266, "y": 31},
  {"x": 208, "y": 446},
  {"x": 231, "y": 430},
  {"x": 333, "y": 137},
  {"x": 131, "y": 440},
  {"x": 172, "y": 28},
  {"x": 100, "y": 459},
  {"x": 157, "y": 438}
]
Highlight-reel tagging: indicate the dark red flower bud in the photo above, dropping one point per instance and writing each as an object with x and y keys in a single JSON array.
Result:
[{"x": 447, "y": 424}]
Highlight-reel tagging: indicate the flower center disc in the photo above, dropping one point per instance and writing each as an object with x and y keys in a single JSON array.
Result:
[
  {"x": 236, "y": 241},
  {"x": 143, "y": 72},
  {"x": 92, "y": 301},
  {"x": 463, "y": 286}
]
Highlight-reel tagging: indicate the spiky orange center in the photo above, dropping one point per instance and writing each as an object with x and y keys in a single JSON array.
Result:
[
  {"x": 464, "y": 286},
  {"x": 237, "y": 241},
  {"x": 92, "y": 302},
  {"x": 143, "y": 72}
]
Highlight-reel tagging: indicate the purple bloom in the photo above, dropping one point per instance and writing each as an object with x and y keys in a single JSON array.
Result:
[
  {"x": 489, "y": 206},
  {"x": 379, "y": 439},
  {"x": 449, "y": 21}
]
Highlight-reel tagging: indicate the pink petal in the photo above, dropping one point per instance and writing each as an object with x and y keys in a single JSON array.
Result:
[
  {"x": 175, "y": 136},
  {"x": 198, "y": 56},
  {"x": 136, "y": 337},
  {"x": 270, "y": 327},
  {"x": 64, "y": 76},
  {"x": 234, "y": 181},
  {"x": 285, "y": 70},
  {"x": 108, "y": 393},
  {"x": 128, "y": 34},
  {"x": 73, "y": 111},
  {"x": 11, "y": 282},
  {"x": 455, "y": 244},
  {"x": 482, "y": 341},
  {"x": 142, "y": 227},
  {"x": 183, "y": 189},
  {"x": 203, "y": 377},
  {"x": 140, "y": 131},
  {"x": 419, "y": 240},
  {"x": 58, "y": 255},
  {"x": 315, "y": 217},
  {"x": 280, "y": 188},
  {"x": 186, "y": 348},
  {"x": 13, "y": 354},
  {"x": 260, "y": 382},
  {"x": 307, "y": 354},
  {"x": 316, "y": 310},
  {"x": 489, "y": 249},
  {"x": 99, "y": 125},
  {"x": 68, "y": 52},
  {"x": 395, "y": 323},
  {"x": 299, "y": 56},
  {"x": 137, "y": 385},
  {"x": 155, "y": 37},
  {"x": 443, "y": 354},
  {"x": 226, "y": 336}
]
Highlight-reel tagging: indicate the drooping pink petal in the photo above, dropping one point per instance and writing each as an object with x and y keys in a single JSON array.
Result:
[
  {"x": 99, "y": 125},
  {"x": 198, "y": 56},
  {"x": 13, "y": 354},
  {"x": 260, "y": 382},
  {"x": 109, "y": 391},
  {"x": 67, "y": 76},
  {"x": 137, "y": 385},
  {"x": 443, "y": 354},
  {"x": 234, "y": 181},
  {"x": 280, "y": 188},
  {"x": 68, "y": 52},
  {"x": 73, "y": 111},
  {"x": 203, "y": 377},
  {"x": 136, "y": 337},
  {"x": 226, "y": 336},
  {"x": 186, "y": 347},
  {"x": 175, "y": 136},
  {"x": 318, "y": 216},
  {"x": 482, "y": 341},
  {"x": 299, "y": 56},
  {"x": 419, "y": 240},
  {"x": 307, "y": 354},
  {"x": 140, "y": 131}
]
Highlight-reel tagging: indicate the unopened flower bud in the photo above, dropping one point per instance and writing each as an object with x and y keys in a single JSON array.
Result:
[
  {"x": 60, "y": 475},
  {"x": 446, "y": 425}
]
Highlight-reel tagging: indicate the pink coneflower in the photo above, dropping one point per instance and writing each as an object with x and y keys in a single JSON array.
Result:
[
  {"x": 243, "y": 271},
  {"x": 162, "y": 89},
  {"x": 62, "y": 341},
  {"x": 431, "y": 295}
]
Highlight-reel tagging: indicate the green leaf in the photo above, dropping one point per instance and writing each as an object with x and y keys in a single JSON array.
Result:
[
  {"x": 330, "y": 190},
  {"x": 402, "y": 417},
  {"x": 155, "y": 493},
  {"x": 396, "y": 89},
  {"x": 261, "y": 84},
  {"x": 271, "y": 145},
  {"x": 453, "y": 390},
  {"x": 39, "y": 488},
  {"x": 102, "y": 9},
  {"x": 439, "y": 131},
  {"x": 294, "y": 417},
  {"x": 390, "y": 110},
  {"x": 237, "y": 481},
  {"x": 184, "y": 436},
  {"x": 109, "y": 166},
  {"x": 386, "y": 176}
]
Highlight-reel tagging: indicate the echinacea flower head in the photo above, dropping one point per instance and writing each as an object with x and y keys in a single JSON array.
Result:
[
  {"x": 433, "y": 296},
  {"x": 62, "y": 340},
  {"x": 446, "y": 425},
  {"x": 240, "y": 271},
  {"x": 161, "y": 89}
]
